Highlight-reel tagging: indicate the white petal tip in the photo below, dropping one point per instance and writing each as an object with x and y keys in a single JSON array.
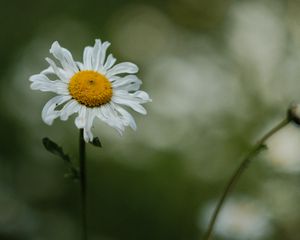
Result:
[
  {"x": 54, "y": 45},
  {"x": 48, "y": 60},
  {"x": 106, "y": 43},
  {"x": 64, "y": 118},
  {"x": 31, "y": 78},
  {"x": 32, "y": 86},
  {"x": 135, "y": 68},
  {"x": 48, "y": 122}
]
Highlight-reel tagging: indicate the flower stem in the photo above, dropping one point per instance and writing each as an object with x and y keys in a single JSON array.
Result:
[
  {"x": 257, "y": 148},
  {"x": 83, "y": 184}
]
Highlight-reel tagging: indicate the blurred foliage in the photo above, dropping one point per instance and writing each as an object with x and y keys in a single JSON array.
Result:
[{"x": 220, "y": 73}]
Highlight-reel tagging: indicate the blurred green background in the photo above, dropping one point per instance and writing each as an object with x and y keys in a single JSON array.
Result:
[{"x": 220, "y": 73}]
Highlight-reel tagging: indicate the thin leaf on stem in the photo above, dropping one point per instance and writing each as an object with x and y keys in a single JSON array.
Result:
[
  {"x": 53, "y": 148},
  {"x": 96, "y": 142}
]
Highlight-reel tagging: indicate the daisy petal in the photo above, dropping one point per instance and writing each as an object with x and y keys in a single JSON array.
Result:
[
  {"x": 115, "y": 117},
  {"x": 109, "y": 62},
  {"x": 130, "y": 103},
  {"x": 49, "y": 113},
  {"x": 90, "y": 115},
  {"x": 41, "y": 82},
  {"x": 48, "y": 71},
  {"x": 64, "y": 56},
  {"x": 114, "y": 78},
  {"x": 63, "y": 75},
  {"x": 80, "y": 120},
  {"x": 125, "y": 67},
  {"x": 68, "y": 109},
  {"x": 127, "y": 117},
  {"x": 87, "y": 135},
  {"x": 104, "y": 48},
  {"x": 143, "y": 96},
  {"x": 138, "y": 96},
  {"x": 128, "y": 83},
  {"x": 111, "y": 118},
  {"x": 87, "y": 58},
  {"x": 96, "y": 55}
]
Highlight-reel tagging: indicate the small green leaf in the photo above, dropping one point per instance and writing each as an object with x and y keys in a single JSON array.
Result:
[
  {"x": 96, "y": 142},
  {"x": 55, "y": 149},
  {"x": 52, "y": 147}
]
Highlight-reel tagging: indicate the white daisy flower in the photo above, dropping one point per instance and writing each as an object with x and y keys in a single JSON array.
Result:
[{"x": 94, "y": 88}]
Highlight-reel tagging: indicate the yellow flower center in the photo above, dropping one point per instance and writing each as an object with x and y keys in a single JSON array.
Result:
[{"x": 90, "y": 88}]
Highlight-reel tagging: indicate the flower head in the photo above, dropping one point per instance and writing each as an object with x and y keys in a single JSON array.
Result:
[{"x": 96, "y": 87}]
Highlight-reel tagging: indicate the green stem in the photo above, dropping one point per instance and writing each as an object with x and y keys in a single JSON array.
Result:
[
  {"x": 259, "y": 146},
  {"x": 83, "y": 184}
]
